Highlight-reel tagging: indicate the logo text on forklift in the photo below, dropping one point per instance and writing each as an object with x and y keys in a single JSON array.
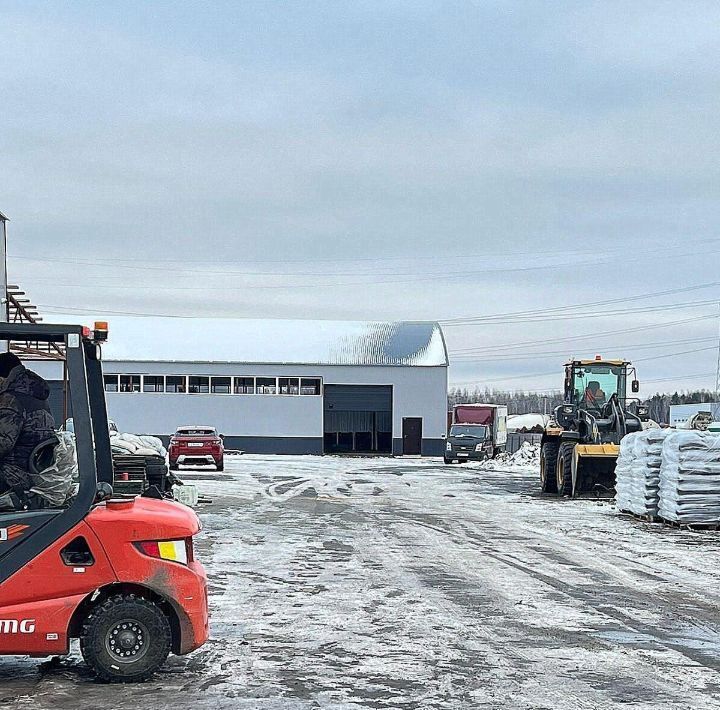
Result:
[
  {"x": 12, "y": 532},
  {"x": 13, "y": 626}
]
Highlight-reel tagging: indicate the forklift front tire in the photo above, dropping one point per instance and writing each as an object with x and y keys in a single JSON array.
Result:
[{"x": 126, "y": 639}]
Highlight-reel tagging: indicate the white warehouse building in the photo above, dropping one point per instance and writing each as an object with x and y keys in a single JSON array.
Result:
[
  {"x": 680, "y": 414},
  {"x": 281, "y": 386}
]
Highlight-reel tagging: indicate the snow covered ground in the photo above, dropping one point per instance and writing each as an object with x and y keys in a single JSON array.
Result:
[{"x": 391, "y": 583}]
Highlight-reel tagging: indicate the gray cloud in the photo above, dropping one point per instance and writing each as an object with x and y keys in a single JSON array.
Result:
[{"x": 462, "y": 137}]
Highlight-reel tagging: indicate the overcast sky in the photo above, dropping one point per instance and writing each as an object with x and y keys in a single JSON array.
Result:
[{"x": 373, "y": 161}]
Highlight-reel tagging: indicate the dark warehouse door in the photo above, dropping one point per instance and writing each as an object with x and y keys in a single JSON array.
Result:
[
  {"x": 412, "y": 436},
  {"x": 358, "y": 419}
]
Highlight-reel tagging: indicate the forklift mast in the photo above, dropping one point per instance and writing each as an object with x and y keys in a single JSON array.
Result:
[{"x": 40, "y": 528}]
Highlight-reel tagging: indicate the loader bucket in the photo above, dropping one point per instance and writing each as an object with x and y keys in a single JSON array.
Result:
[{"x": 594, "y": 470}]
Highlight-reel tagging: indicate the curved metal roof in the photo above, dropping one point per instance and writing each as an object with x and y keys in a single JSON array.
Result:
[{"x": 300, "y": 342}]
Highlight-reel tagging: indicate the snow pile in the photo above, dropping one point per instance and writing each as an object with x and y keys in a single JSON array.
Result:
[
  {"x": 137, "y": 445},
  {"x": 690, "y": 478},
  {"x": 527, "y": 423},
  {"x": 638, "y": 471},
  {"x": 527, "y": 456}
]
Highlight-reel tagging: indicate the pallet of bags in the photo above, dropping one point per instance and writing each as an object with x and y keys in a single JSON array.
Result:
[
  {"x": 690, "y": 478},
  {"x": 638, "y": 472},
  {"x": 137, "y": 445},
  {"x": 623, "y": 474},
  {"x": 646, "y": 470}
]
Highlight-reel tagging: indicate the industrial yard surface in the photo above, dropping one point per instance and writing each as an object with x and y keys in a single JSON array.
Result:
[{"x": 380, "y": 583}]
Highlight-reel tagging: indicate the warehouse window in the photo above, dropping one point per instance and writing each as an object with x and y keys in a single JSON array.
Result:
[
  {"x": 220, "y": 385},
  {"x": 289, "y": 385},
  {"x": 310, "y": 385},
  {"x": 244, "y": 385},
  {"x": 198, "y": 385},
  {"x": 111, "y": 383},
  {"x": 266, "y": 385},
  {"x": 129, "y": 383},
  {"x": 176, "y": 383},
  {"x": 153, "y": 383}
]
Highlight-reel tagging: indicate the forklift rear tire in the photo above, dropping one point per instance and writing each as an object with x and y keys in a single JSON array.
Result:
[
  {"x": 448, "y": 461},
  {"x": 563, "y": 472},
  {"x": 548, "y": 461},
  {"x": 220, "y": 466},
  {"x": 126, "y": 639}
]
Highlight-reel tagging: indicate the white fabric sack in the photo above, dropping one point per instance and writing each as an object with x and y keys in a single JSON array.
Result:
[{"x": 690, "y": 478}]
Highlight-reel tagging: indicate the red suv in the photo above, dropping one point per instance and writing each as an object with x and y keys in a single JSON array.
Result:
[{"x": 196, "y": 445}]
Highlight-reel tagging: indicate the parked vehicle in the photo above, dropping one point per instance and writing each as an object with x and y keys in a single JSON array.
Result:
[
  {"x": 468, "y": 442},
  {"x": 492, "y": 416},
  {"x": 196, "y": 445}
]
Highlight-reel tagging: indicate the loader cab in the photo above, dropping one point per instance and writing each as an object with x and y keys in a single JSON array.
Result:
[
  {"x": 589, "y": 384},
  {"x": 26, "y": 529}
]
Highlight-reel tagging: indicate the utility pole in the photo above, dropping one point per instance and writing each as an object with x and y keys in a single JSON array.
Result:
[
  {"x": 4, "y": 315},
  {"x": 716, "y": 407},
  {"x": 4, "y": 307}
]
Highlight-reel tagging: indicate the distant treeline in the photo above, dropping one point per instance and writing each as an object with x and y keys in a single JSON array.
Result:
[
  {"x": 520, "y": 402},
  {"x": 660, "y": 403}
]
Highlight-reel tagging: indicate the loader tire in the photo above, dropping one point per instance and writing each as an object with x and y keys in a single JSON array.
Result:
[
  {"x": 563, "y": 469},
  {"x": 548, "y": 461},
  {"x": 126, "y": 639}
]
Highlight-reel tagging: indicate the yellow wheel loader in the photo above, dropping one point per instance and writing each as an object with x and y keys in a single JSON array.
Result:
[{"x": 581, "y": 442}]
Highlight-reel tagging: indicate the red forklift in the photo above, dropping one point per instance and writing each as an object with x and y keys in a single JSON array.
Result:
[{"x": 117, "y": 573}]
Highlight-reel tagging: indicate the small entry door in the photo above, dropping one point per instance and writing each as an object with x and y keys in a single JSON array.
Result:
[{"x": 412, "y": 436}]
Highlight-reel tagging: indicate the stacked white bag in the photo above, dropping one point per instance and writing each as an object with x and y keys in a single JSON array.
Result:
[
  {"x": 137, "y": 445},
  {"x": 638, "y": 471},
  {"x": 690, "y": 478},
  {"x": 623, "y": 474}
]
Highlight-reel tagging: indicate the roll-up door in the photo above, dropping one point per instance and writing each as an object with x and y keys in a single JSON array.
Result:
[{"x": 358, "y": 419}]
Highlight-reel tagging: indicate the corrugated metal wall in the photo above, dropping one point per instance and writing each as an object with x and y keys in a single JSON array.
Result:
[
  {"x": 515, "y": 441},
  {"x": 358, "y": 418}
]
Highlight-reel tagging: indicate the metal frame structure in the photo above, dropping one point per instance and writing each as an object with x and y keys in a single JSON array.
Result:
[{"x": 20, "y": 309}]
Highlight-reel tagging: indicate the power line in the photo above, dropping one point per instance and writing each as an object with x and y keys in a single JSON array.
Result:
[
  {"x": 544, "y": 341},
  {"x": 682, "y": 377},
  {"x": 455, "y": 275},
  {"x": 603, "y": 314},
  {"x": 653, "y": 381},
  {"x": 571, "y": 307},
  {"x": 620, "y": 248},
  {"x": 554, "y": 372},
  {"x": 548, "y": 353},
  {"x": 675, "y": 354}
]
